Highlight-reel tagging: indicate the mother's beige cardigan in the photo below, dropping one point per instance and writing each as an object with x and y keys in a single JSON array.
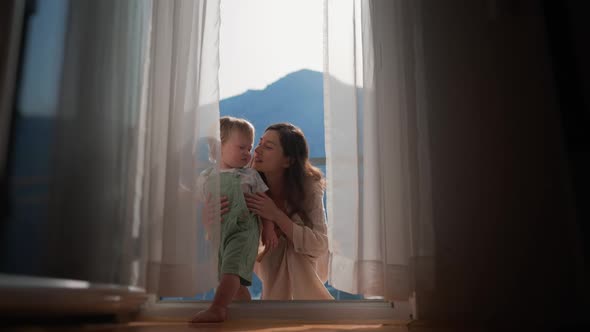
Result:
[{"x": 298, "y": 270}]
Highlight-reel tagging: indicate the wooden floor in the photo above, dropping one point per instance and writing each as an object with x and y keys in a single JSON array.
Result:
[
  {"x": 284, "y": 326},
  {"x": 258, "y": 326}
]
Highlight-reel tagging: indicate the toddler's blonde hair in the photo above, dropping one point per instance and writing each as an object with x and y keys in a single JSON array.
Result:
[{"x": 228, "y": 124}]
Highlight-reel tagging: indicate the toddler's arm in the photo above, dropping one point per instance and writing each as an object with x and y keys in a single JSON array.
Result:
[{"x": 269, "y": 238}]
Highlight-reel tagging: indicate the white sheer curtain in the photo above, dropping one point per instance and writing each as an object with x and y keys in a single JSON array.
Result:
[
  {"x": 182, "y": 112},
  {"x": 139, "y": 100},
  {"x": 91, "y": 188},
  {"x": 379, "y": 205}
]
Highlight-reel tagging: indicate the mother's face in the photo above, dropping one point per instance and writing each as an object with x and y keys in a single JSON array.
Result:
[{"x": 268, "y": 155}]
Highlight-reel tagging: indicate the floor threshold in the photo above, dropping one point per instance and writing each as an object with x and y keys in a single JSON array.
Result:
[{"x": 348, "y": 311}]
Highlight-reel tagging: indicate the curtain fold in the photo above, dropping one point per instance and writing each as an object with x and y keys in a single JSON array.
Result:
[
  {"x": 92, "y": 181},
  {"x": 139, "y": 101},
  {"x": 379, "y": 205},
  {"x": 183, "y": 112}
]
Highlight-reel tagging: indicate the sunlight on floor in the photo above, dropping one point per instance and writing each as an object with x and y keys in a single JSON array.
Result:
[
  {"x": 315, "y": 327},
  {"x": 260, "y": 326}
]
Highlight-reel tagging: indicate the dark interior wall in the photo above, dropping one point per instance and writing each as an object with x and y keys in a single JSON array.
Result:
[
  {"x": 5, "y": 22},
  {"x": 11, "y": 18},
  {"x": 5, "y": 10},
  {"x": 568, "y": 29},
  {"x": 6, "y": 30},
  {"x": 507, "y": 242}
]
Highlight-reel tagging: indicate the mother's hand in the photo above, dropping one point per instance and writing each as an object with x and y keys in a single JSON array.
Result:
[
  {"x": 210, "y": 215},
  {"x": 263, "y": 206}
]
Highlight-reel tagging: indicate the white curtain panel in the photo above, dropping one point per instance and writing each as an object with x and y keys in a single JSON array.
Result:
[
  {"x": 379, "y": 204},
  {"x": 182, "y": 112},
  {"x": 139, "y": 100},
  {"x": 92, "y": 185}
]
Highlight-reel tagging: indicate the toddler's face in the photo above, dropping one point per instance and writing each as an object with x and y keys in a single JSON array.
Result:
[{"x": 235, "y": 152}]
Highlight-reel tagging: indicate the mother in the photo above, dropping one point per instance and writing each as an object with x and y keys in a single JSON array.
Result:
[{"x": 297, "y": 268}]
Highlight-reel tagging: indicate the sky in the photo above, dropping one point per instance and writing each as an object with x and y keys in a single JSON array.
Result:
[
  {"x": 260, "y": 42},
  {"x": 264, "y": 40}
]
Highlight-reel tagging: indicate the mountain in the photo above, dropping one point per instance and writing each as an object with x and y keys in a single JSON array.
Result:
[{"x": 297, "y": 98}]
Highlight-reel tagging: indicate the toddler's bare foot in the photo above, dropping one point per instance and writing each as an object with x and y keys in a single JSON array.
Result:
[
  {"x": 243, "y": 294},
  {"x": 211, "y": 315}
]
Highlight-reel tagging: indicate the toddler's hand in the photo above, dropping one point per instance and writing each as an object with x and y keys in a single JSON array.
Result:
[{"x": 269, "y": 237}]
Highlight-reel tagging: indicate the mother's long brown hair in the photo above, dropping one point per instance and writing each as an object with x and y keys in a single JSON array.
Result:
[{"x": 300, "y": 172}]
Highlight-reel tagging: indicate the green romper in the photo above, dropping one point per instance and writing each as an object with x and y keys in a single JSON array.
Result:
[{"x": 240, "y": 232}]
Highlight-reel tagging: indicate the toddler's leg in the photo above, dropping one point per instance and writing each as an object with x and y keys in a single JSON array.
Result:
[
  {"x": 217, "y": 312},
  {"x": 243, "y": 294}
]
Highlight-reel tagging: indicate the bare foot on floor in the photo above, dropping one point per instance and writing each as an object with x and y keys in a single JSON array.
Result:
[{"x": 211, "y": 315}]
